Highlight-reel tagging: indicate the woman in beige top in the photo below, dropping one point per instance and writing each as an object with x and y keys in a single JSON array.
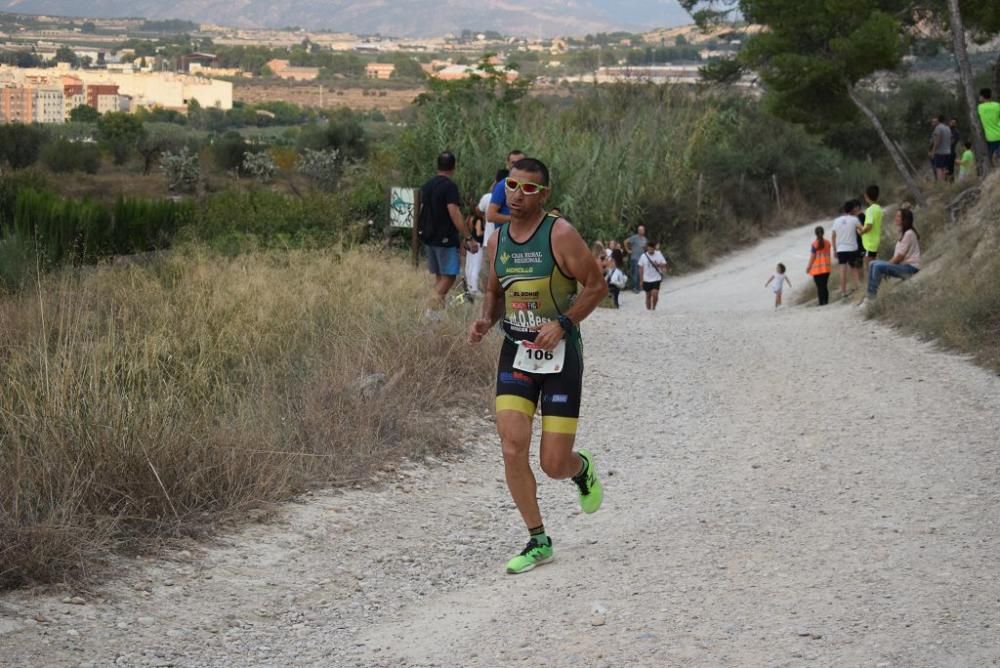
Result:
[{"x": 905, "y": 259}]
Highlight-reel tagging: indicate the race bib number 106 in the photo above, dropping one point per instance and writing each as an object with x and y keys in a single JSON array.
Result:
[{"x": 532, "y": 359}]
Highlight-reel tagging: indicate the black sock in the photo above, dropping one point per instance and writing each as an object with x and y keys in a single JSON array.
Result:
[{"x": 584, "y": 467}]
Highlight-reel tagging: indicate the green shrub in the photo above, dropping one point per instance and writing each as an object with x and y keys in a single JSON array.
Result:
[
  {"x": 20, "y": 144},
  {"x": 62, "y": 230},
  {"x": 63, "y": 156},
  {"x": 17, "y": 262},
  {"x": 229, "y": 151},
  {"x": 270, "y": 219}
]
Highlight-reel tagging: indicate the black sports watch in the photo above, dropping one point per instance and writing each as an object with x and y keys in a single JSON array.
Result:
[{"x": 566, "y": 323}]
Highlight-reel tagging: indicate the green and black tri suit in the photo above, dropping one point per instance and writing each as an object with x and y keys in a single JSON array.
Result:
[{"x": 536, "y": 291}]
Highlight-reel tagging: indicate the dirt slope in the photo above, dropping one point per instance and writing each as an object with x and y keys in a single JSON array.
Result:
[{"x": 783, "y": 489}]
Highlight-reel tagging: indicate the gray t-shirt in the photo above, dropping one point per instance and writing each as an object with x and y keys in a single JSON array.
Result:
[
  {"x": 942, "y": 136},
  {"x": 638, "y": 245}
]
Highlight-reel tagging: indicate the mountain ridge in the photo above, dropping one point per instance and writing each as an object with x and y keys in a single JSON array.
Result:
[{"x": 401, "y": 18}]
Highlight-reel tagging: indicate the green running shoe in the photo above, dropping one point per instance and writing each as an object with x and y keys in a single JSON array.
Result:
[
  {"x": 533, "y": 555},
  {"x": 591, "y": 491}
]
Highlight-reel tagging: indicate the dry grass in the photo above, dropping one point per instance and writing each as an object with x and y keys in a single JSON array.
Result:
[
  {"x": 143, "y": 402},
  {"x": 955, "y": 299}
]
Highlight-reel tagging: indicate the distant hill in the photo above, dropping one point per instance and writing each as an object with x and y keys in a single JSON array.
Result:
[{"x": 404, "y": 18}]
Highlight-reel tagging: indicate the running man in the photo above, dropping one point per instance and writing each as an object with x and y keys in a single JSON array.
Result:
[{"x": 536, "y": 262}]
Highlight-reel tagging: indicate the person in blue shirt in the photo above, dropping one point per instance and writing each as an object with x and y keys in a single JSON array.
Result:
[{"x": 497, "y": 212}]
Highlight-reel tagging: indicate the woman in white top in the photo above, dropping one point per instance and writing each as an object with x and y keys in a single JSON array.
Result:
[
  {"x": 905, "y": 260},
  {"x": 652, "y": 266}
]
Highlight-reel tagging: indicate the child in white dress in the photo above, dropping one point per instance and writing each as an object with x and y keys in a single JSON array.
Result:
[{"x": 777, "y": 283}]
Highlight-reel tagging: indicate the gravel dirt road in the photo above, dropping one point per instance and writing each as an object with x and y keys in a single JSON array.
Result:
[{"x": 791, "y": 488}]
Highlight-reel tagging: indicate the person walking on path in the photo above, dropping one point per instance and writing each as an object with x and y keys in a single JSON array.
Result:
[
  {"x": 536, "y": 263},
  {"x": 652, "y": 267},
  {"x": 905, "y": 260},
  {"x": 617, "y": 280},
  {"x": 777, "y": 283},
  {"x": 442, "y": 229},
  {"x": 819, "y": 260},
  {"x": 498, "y": 213},
  {"x": 871, "y": 230},
  {"x": 634, "y": 247},
  {"x": 989, "y": 116},
  {"x": 844, "y": 238}
]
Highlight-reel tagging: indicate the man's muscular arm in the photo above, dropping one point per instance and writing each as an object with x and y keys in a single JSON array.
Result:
[{"x": 576, "y": 261}]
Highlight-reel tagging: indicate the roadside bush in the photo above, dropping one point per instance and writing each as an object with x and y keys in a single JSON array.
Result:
[{"x": 63, "y": 156}]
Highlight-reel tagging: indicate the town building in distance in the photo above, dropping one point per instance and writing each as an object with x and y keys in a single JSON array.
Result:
[{"x": 48, "y": 95}]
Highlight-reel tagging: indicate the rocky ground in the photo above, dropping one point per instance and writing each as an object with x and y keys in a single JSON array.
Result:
[{"x": 790, "y": 488}]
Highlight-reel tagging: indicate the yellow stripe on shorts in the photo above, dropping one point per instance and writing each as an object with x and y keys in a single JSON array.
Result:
[
  {"x": 511, "y": 402},
  {"x": 558, "y": 425}
]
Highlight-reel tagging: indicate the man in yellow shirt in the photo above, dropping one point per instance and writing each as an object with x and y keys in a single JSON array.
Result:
[
  {"x": 871, "y": 231},
  {"x": 989, "y": 115}
]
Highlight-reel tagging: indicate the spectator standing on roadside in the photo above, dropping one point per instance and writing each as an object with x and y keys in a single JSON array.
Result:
[
  {"x": 484, "y": 204},
  {"x": 844, "y": 238},
  {"x": 498, "y": 212},
  {"x": 989, "y": 116},
  {"x": 819, "y": 265},
  {"x": 940, "y": 147},
  {"x": 474, "y": 259},
  {"x": 652, "y": 267},
  {"x": 956, "y": 139},
  {"x": 871, "y": 231},
  {"x": 442, "y": 229},
  {"x": 634, "y": 246},
  {"x": 967, "y": 163}
]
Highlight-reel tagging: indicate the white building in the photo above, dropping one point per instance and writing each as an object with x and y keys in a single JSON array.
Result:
[{"x": 49, "y": 104}]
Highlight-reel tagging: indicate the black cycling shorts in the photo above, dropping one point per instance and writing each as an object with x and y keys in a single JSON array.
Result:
[{"x": 559, "y": 392}]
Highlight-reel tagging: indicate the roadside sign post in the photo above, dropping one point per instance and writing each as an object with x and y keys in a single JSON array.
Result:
[{"x": 404, "y": 206}]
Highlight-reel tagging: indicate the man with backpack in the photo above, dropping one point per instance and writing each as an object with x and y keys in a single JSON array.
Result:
[{"x": 442, "y": 229}]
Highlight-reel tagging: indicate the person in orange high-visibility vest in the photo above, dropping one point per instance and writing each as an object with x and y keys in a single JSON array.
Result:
[{"x": 819, "y": 265}]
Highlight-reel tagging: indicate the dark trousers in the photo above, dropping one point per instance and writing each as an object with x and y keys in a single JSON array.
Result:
[
  {"x": 614, "y": 292},
  {"x": 821, "y": 288}
]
